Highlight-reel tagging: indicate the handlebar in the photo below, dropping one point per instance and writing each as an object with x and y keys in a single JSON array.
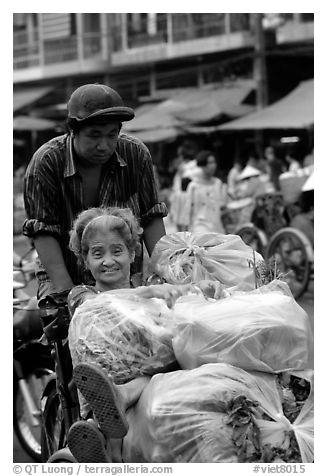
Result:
[
  {"x": 55, "y": 316},
  {"x": 56, "y": 300}
]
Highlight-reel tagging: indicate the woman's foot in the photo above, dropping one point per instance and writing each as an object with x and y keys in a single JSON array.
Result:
[
  {"x": 87, "y": 443},
  {"x": 102, "y": 394}
]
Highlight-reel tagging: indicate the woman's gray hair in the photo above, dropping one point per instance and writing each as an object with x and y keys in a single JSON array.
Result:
[{"x": 120, "y": 220}]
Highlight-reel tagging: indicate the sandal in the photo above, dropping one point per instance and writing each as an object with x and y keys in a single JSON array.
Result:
[
  {"x": 87, "y": 444},
  {"x": 100, "y": 392}
]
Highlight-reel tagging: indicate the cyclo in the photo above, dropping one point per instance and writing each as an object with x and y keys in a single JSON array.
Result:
[
  {"x": 62, "y": 408},
  {"x": 265, "y": 223}
]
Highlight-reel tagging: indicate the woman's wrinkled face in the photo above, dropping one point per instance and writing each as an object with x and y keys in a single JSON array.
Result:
[
  {"x": 109, "y": 260},
  {"x": 95, "y": 144}
]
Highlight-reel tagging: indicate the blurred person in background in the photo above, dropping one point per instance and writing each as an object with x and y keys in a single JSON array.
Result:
[
  {"x": 232, "y": 179},
  {"x": 304, "y": 221},
  {"x": 175, "y": 168},
  {"x": 206, "y": 196},
  {"x": 275, "y": 166},
  {"x": 177, "y": 207},
  {"x": 184, "y": 165},
  {"x": 248, "y": 182},
  {"x": 309, "y": 159},
  {"x": 293, "y": 161},
  {"x": 254, "y": 179},
  {"x": 254, "y": 160}
]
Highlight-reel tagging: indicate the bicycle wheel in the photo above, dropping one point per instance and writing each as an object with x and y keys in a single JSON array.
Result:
[
  {"x": 53, "y": 428},
  {"x": 253, "y": 237},
  {"x": 29, "y": 434},
  {"x": 294, "y": 257}
]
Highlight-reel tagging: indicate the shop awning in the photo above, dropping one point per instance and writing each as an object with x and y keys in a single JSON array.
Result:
[
  {"x": 28, "y": 96},
  {"x": 29, "y": 123},
  {"x": 156, "y": 116},
  {"x": 156, "y": 135},
  {"x": 166, "y": 120},
  {"x": 204, "y": 105},
  {"x": 294, "y": 111}
]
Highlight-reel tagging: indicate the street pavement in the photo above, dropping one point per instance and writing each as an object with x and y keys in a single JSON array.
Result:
[{"x": 21, "y": 245}]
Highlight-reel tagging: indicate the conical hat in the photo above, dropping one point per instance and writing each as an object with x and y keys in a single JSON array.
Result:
[
  {"x": 308, "y": 185},
  {"x": 248, "y": 172}
]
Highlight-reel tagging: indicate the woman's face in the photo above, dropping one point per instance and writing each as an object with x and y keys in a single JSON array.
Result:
[
  {"x": 109, "y": 259},
  {"x": 211, "y": 166}
]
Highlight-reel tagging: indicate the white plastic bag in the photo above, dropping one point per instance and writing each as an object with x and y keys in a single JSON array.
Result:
[
  {"x": 181, "y": 417},
  {"x": 263, "y": 330},
  {"x": 186, "y": 257},
  {"x": 126, "y": 335}
]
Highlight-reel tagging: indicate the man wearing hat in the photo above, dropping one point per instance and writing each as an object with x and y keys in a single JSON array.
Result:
[{"x": 93, "y": 165}]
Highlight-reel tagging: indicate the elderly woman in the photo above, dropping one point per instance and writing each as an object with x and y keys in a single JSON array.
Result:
[{"x": 106, "y": 242}]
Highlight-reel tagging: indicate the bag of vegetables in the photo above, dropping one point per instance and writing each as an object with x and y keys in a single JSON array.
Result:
[
  {"x": 126, "y": 335},
  {"x": 218, "y": 413},
  {"x": 186, "y": 257},
  {"x": 262, "y": 330}
]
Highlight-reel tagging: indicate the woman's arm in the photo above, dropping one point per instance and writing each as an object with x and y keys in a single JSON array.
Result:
[
  {"x": 171, "y": 292},
  {"x": 78, "y": 295}
]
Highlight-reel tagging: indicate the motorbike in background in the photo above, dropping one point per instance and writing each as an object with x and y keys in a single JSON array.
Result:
[{"x": 32, "y": 363}]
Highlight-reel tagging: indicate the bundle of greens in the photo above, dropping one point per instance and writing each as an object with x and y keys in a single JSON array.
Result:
[
  {"x": 246, "y": 436},
  {"x": 126, "y": 335},
  {"x": 236, "y": 417},
  {"x": 186, "y": 257},
  {"x": 264, "y": 329}
]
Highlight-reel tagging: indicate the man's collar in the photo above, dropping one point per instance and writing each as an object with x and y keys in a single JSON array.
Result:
[
  {"x": 70, "y": 167},
  {"x": 119, "y": 159}
]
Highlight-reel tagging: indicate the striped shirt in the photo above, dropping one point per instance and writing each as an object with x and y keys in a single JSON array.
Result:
[{"x": 53, "y": 192}]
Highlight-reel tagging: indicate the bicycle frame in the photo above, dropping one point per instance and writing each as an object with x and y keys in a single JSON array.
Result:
[{"x": 55, "y": 319}]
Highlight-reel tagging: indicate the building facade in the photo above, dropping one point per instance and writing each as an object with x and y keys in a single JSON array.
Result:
[
  {"x": 140, "y": 53},
  {"x": 146, "y": 56}
]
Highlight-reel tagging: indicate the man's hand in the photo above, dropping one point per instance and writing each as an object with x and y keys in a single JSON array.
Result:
[{"x": 152, "y": 233}]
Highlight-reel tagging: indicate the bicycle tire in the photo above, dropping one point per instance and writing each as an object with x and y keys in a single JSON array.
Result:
[
  {"x": 251, "y": 235},
  {"x": 28, "y": 436},
  {"x": 53, "y": 427},
  {"x": 294, "y": 260}
]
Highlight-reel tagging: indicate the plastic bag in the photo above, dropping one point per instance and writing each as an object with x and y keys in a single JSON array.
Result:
[
  {"x": 126, "y": 335},
  {"x": 181, "y": 417},
  {"x": 262, "y": 330},
  {"x": 186, "y": 257}
]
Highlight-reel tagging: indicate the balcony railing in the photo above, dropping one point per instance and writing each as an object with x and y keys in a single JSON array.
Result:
[
  {"x": 185, "y": 26},
  {"x": 141, "y": 33},
  {"x": 26, "y": 49},
  {"x": 190, "y": 26},
  {"x": 239, "y": 22},
  {"x": 60, "y": 50},
  {"x": 91, "y": 45}
]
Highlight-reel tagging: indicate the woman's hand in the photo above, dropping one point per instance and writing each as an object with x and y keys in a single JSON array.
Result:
[
  {"x": 212, "y": 289},
  {"x": 169, "y": 292}
]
